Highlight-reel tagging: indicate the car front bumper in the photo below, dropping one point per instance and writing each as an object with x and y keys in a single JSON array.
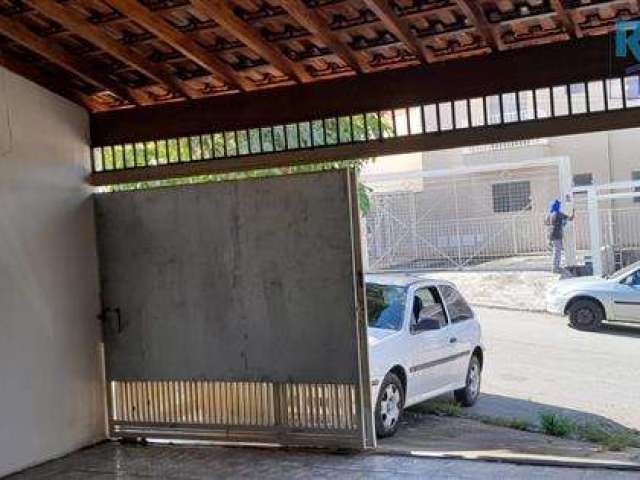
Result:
[{"x": 556, "y": 304}]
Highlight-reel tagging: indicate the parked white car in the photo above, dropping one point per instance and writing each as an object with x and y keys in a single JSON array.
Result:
[
  {"x": 424, "y": 340},
  {"x": 588, "y": 301}
]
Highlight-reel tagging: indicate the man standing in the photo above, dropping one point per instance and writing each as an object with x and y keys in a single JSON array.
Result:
[{"x": 557, "y": 221}]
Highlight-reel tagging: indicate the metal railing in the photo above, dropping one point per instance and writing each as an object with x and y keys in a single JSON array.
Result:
[
  {"x": 216, "y": 406},
  {"x": 601, "y": 95},
  {"x": 437, "y": 228}
]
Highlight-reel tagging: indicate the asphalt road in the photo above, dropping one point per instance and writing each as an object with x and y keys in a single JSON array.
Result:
[{"x": 536, "y": 362}]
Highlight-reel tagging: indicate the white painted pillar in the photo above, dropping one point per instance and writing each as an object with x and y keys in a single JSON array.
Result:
[
  {"x": 594, "y": 231},
  {"x": 565, "y": 177}
]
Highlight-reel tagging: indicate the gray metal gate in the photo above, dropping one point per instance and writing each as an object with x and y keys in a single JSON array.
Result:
[{"x": 232, "y": 312}]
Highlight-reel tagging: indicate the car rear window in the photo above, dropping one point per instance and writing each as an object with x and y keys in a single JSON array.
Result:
[{"x": 457, "y": 307}]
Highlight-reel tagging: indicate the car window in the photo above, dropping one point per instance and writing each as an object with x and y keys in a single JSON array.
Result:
[
  {"x": 385, "y": 306},
  {"x": 457, "y": 307},
  {"x": 626, "y": 270},
  {"x": 427, "y": 302},
  {"x": 633, "y": 280}
]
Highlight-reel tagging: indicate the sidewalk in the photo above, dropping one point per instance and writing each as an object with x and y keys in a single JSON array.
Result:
[
  {"x": 457, "y": 437},
  {"x": 512, "y": 290}
]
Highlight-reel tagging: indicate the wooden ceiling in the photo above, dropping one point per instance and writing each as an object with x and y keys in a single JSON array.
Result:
[{"x": 114, "y": 54}]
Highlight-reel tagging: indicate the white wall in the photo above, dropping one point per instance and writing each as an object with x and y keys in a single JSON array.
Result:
[{"x": 50, "y": 389}]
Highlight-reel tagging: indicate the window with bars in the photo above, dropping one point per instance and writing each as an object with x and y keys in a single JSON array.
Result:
[
  {"x": 635, "y": 175},
  {"x": 511, "y": 196}
]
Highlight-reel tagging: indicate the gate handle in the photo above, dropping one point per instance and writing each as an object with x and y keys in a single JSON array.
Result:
[{"x": 105, "y": 314}]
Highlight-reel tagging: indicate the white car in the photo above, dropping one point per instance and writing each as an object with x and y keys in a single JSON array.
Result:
[
  {"x": 588, "y": 301},
  {"x": 424, "y": 340}
]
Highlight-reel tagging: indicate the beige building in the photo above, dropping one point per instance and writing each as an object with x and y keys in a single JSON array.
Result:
[{"x": 469, "y": 205}]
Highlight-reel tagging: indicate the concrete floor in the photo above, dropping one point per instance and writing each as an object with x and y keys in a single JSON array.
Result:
[
  {"x": 111, "y": 461},
  {"x": 535, "y": 362}
]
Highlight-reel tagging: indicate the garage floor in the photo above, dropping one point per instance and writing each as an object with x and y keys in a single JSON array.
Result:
[{"x": 111, "y": 461}]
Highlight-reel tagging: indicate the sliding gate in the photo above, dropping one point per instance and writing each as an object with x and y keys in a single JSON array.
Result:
[{"x": 233, "y": 312}]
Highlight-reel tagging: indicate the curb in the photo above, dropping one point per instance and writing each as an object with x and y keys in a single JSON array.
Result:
[
  {"x": 505, "y": 307},
  {"x": 514, "y": 458}
]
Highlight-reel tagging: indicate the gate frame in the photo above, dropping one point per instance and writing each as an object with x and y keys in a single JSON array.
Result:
[
  {"x": 594, "y": 197},
  {"x": 243, "y": 435}
]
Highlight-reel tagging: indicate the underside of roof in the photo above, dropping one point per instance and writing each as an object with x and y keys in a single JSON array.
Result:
[{"x": 117, "y": 54}]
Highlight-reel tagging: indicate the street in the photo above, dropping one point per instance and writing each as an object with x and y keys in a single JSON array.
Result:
[{"x": 536, "y": 362}]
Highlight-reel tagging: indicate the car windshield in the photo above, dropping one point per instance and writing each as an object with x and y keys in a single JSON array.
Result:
[
  {"x": 623, "y": 272},
  {"x": 385, "y": 306}
]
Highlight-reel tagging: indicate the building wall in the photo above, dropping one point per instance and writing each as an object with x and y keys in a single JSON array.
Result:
[
  {"x": 51, "y": 394},
  {"x": 608, "y": 156},
  {"x": 456, "y": 209}
]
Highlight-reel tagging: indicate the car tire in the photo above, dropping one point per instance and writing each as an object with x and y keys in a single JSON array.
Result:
[
  {"x": 586, "y": 315},
  {"x": 468, "y": 395},
  {"x": 389, "y": 406}
]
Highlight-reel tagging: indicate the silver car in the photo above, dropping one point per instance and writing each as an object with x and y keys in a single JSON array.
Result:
[{"x": 588, "y": 301}]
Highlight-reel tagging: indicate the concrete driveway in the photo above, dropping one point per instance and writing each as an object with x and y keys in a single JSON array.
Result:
[
  {"x": 536, "y": 362},
  {"x": 116, "y": 462}
]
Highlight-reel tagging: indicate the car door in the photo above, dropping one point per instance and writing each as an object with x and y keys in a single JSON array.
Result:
[
  {"x": 626, "y": 298},
  {"x": 428, "y": 348},
  {"x": 461, "y": 334}
]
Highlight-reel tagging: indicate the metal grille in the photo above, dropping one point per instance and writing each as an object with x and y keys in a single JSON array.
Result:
[
  {"x": 198, "y": 403},
  {"x": 450, "y": 224},
  {"x": 581, "y": 98},
  {"x": 511, "y": 196},
  {"x": 454, "y": 223}
]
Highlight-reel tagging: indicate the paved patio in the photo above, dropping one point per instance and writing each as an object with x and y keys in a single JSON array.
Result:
[{"x": 111, "y": 461}]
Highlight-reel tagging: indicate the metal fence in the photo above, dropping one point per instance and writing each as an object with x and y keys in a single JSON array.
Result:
[{"x": 483, "y": 221}]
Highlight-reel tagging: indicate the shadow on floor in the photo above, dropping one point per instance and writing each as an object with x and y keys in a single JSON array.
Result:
[
  {"x": 619, "y": 330},
  {"x": 425, "y": 432},
  {"x": 500, "y": 406}
]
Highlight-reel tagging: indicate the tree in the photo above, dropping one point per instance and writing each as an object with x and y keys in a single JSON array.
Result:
[{"x": 348, "y": 129}]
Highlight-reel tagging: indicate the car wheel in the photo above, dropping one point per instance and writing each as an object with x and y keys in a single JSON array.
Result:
[
  {"x": 389, "y": 406},
  {"x": 468, "y": 395},
  {"x": 586, "y": 315}
]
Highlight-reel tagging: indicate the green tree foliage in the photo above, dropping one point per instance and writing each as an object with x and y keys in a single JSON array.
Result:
[{"x": 229, "y": 144}]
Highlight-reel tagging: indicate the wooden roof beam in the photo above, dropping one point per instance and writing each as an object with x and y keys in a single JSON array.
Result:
[
  {"x": 14, "y": 64},
  {"x": 567, "y": 22},
  {"x": 223, "y": 14},
  {"x": 319, "y": 27},
  {"x": 17, "y": 32},
  {"x": 77, "y": 24},
  {"x": 156, "y": 24},
  {"x": 473, "y": 11},
  {"x": 400, "y": 29}
]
